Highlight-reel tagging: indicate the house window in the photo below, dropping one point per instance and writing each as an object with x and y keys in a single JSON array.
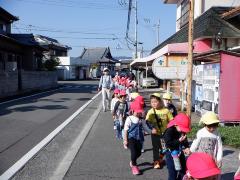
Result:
[
  {"x": 184, "y": 12},
  {"x": 3, "y": 27},
  {"x": 11, "y": 64},
  {"x": 2, "y": 63}
]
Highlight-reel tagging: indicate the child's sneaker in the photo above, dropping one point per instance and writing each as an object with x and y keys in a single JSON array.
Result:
[
  {"x": 135, "y": 170},
  {"x": 130, "y": 164},
  {"x": 142, "y": 151},
  {"x": 156, "y": 165}
]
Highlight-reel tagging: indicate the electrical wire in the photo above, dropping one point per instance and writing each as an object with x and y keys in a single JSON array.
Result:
[{"x": 69, "y": 5}]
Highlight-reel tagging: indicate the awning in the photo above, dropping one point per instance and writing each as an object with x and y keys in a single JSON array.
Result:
[{"x": 178, "y": 48}]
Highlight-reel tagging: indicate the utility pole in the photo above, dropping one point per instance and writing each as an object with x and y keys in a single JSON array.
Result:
[
  {"x": 190, "y": 57},
  {"x": 136, "y": 33},
  {"x": 158, "y": 32}
]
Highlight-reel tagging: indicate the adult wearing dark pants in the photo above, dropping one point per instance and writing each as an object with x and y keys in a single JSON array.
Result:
[{"x": 105, "y": 85}]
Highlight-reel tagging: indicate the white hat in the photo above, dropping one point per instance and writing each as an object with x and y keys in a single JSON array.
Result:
[{"x": 105, "y": 69}]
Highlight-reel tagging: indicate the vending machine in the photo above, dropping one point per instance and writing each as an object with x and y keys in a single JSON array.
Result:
[{"x": 210, "y": 87}]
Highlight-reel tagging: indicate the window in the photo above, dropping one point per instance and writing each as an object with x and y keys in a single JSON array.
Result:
[
  {"x": 184, "y": 7},
  {"x": 2, "y": 63},
  {"x": 3, "y": 27},
  {"x": 184, "y": 12}
]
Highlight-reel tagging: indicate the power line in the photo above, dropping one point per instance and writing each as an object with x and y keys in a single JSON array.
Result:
[
  {"x": 87, "y": 6},
  {"x": 99, "y": 38}
]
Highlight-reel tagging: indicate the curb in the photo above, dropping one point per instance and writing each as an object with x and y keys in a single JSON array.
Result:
[{"x": 66, "y": 162}]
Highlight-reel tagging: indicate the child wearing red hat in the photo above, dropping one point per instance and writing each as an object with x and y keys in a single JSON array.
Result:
[
  {"x": 176, "y": 145},
  {"x": 140, "y": 101},
  {"x": 201, "y": 166},
  {"x": 115, "y": 98},
  {"x": 133, "y": 135},
  {"x": 237, "y": 174},
  {"x": 120, "y": 112}
]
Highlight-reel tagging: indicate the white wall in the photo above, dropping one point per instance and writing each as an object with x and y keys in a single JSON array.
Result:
[
  {"x": 197, "y": 8},
  {"x": 64, "y": 60}
]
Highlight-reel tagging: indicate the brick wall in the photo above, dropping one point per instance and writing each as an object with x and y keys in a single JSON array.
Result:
[{"x": 31, "y": 80}]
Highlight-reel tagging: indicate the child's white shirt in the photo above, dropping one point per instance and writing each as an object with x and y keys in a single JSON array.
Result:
[
  {"x": 135, "y": 120},
  {"x": 208, "y": 142},
  {"x": 113, "y": 102}
]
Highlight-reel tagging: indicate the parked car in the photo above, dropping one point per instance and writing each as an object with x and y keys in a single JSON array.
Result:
[{"x": 149, "y": 80}]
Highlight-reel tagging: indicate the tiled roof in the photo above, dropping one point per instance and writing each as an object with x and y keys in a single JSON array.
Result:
[
  {"x": 7, "y": 15},
  {"x": 26, "y": 39},
  {"x": 95, "y": 55}
]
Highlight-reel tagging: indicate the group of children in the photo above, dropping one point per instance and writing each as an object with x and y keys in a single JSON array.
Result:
[
  {"x": 168, "y": 135},
  {"x": 168, "y": 131}
]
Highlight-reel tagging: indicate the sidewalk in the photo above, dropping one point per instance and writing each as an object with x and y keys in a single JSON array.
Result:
[{"x": 102, "y": 157}]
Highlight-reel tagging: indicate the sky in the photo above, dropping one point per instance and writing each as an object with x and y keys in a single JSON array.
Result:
[{"x": 93, "y": 23}]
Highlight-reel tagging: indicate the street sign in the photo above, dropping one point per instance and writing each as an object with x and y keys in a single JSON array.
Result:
[{"x": 179, "y": 72}]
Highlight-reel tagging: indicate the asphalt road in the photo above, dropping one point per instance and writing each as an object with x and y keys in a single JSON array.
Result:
[{"x": 24, "y": 123}]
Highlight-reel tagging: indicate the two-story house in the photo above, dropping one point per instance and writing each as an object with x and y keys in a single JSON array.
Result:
[
  {"x": 200, "y": 6},
  {"x": 22, "y": 57}
]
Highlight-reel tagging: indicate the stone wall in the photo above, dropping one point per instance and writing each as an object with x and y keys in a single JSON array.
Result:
[{"x": 31, "y": 81}]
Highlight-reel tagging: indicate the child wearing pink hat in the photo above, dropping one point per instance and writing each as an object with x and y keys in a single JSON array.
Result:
[
  {"x": 237, "y": 174},
  {"x": 201, "y": 166},
  {"x": 133, "y": 135},
  {"x": 176, "y": 145},
  {"x": 115, "y": 98},
  {"x": 120, "y": 112}
]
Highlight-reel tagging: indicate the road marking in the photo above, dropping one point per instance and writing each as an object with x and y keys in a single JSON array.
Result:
[
  {"x": 66, "y": 162},
  {"x": 21, "y": 162},
  {"x": 25, "y": 97}
]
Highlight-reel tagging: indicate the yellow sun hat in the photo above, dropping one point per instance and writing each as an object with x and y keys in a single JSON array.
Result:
[
  {"x": 156, "y": 95},
  {"x": 209, "y": 118},
  {"x": 167, "y": 96}
]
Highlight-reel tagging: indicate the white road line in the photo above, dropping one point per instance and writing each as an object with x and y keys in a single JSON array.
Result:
[
  {"x": 21, "y": 162},
  {"x": 30, "y": 96},
  {"x": 66, "y": 162}
]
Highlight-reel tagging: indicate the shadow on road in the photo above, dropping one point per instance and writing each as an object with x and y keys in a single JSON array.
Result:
[
  {"x": 227, "y": 176},
  {"x": 31, "y": 108},
  {"x": 146, "y": 166},
  {"x": 227, "y": 152}
]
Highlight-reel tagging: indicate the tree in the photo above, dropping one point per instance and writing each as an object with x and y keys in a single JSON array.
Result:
[{"x": 51, "y": 63}]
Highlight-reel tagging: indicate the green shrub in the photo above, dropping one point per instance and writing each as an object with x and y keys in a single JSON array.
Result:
[
  {"x": 51, "y": 64},
  {"x": 230, "y": 134}
]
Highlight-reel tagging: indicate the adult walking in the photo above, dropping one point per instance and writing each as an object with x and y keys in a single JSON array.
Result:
[{"x": 105, "y": 85}]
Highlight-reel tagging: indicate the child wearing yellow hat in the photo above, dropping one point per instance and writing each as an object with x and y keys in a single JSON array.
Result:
[
  {"x": 208, "y": 139},
  {"x": 167, "y": 100},
  {"x": 158, "y": 117}
]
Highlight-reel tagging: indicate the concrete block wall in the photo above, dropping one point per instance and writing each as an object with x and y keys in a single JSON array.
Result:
[
  {"x": 8, "y": 83},
  {"x": 31, "y": 81},
  {"x": 34, "y": 80}
]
